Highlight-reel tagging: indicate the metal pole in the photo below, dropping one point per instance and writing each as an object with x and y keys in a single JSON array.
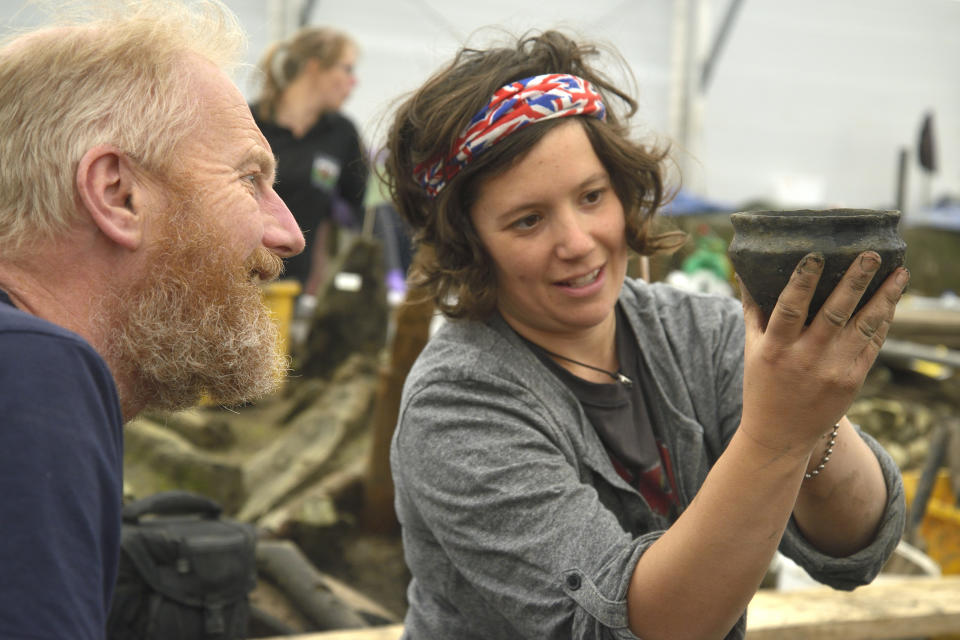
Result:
[
  {"x": 902, "y": 181},
  {"x": 718, "y": 42},
  {"x": 283, "y": 16},
  {"x": 679, "y": 70},
  {"x": 306, "y": 11}
]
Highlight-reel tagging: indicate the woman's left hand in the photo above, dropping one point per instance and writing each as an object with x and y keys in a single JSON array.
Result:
[{"x": 799, "y": 380}]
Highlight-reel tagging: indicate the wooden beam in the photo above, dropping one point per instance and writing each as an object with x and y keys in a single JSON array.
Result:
[
  {"x": 934, "y": 326},
  {"x": 888, "y": 609},
  {"x": 390, "y": 632}
]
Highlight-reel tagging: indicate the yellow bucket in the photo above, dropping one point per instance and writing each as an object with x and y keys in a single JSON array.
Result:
[
  {"x": 940, "y": 527},
  {"x": 279, "y": 296}
]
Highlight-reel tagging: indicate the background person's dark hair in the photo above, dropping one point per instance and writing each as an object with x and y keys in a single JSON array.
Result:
[{"x": 451, "y": 266}]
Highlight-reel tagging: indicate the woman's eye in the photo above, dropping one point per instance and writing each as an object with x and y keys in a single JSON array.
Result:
[
  {"x": 527, "y": 222},
  {"x": 593, "y": 197}
]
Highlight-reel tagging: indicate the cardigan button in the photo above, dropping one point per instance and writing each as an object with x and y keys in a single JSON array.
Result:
[{"x": 573, "y": 581}]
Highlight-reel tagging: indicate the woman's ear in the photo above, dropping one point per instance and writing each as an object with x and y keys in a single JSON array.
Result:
[
  {"x": 311, "y": 64},
  {"x": 106, "y": 183}
]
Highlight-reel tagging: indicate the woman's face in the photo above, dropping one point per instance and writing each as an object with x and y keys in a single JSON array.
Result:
[
  {"x": 554, "y": 228},
  {"x": 335, "y": 83}
]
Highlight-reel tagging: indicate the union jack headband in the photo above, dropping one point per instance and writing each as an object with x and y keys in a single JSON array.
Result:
[{"x": 514, "y": 106}]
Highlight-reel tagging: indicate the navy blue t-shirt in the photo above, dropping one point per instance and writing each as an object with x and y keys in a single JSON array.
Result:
[{"x": 61, "y": 481}]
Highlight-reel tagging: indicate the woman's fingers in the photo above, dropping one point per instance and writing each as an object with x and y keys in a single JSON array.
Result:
[
  {"x": 790, "y": 313},
  {"x": 842, "y": 301},
  {"x": 873, "y": 321},
  {"x": 857, "y": 332},
  {"x": 807, "y": 376}
]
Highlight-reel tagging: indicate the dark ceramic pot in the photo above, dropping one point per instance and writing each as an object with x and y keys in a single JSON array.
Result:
[{"x": 768, "y": 245}]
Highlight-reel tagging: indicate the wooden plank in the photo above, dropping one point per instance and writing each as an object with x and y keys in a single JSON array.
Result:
[
  {"x": 928, "y": 326},
  {"x": 390, "y": 632},
  {"x": 887, "y": 609}
]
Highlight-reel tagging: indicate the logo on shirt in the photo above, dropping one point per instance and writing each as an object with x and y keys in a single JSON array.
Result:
[{"x": 325, "y": 172}]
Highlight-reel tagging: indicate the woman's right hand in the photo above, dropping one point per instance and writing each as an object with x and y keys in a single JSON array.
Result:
[{"x": 799, "y": 380}]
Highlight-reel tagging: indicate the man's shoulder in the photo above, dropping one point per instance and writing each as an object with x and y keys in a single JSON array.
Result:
[
  {"x": 62, "y": 448},
  {"x": 20, "y": 328},
  {"x": 33, "y": 349}
]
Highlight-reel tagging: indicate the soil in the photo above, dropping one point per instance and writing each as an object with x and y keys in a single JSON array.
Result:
[{"x": 373, "y": 564}]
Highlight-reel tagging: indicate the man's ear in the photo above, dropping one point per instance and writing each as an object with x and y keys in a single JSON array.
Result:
[{"x": 107, "y": 185}]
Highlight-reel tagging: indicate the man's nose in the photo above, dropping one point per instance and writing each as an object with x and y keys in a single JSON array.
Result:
[{"x": 281, "y": 233}]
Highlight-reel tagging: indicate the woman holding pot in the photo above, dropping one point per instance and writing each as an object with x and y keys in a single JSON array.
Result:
[{"x": 582, "y": 455}]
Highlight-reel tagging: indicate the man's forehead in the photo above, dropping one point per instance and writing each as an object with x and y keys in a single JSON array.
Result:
[
  {"x": 226, "y": 112},
  {"x": 208, "y": 80}
]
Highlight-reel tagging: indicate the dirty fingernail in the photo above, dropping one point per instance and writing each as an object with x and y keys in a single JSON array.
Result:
[
  {"x": 903, "y": 278},
  {"x": 870, "y": 262},
  {"x": 811, "y": 263}
]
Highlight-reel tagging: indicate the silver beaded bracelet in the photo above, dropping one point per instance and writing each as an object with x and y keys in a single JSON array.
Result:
[{"x": 826, "y": 454}]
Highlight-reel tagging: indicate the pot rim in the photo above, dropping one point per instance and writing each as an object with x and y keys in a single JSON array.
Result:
[{"x": 840, "y": 213}]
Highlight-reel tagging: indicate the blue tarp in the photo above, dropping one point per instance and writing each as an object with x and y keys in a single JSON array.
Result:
[
  {"x": 688, "y": 204},
  {"x": 944, "y": 216}
]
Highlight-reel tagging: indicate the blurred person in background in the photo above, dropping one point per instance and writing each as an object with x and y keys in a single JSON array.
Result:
[
  {"x": 137, "y": 220},
  {"x": 321, "y": 172}
]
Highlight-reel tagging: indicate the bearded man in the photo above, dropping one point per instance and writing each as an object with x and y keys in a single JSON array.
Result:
[{"x": 137, "y": 220}]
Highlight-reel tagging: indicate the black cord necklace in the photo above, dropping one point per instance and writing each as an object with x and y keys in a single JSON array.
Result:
[{"x": 616, "y": 375}]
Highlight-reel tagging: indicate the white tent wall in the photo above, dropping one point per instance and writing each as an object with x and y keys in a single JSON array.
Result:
[
  {"x": 809, "y": 102},
  {"x": 403, "y": 41}
]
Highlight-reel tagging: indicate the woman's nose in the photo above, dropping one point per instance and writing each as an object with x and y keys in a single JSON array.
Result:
[{"x": 575, "y": 237}]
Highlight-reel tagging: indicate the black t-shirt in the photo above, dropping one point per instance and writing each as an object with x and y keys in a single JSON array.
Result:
[
  {"x": 618, "y": 413},
  {"x": 316, "y": 173}
]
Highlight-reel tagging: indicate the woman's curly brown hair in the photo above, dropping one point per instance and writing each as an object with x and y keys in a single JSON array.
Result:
[{"x": 451, "y": 266}]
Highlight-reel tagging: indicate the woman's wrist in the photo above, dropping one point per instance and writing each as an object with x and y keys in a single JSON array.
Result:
[{"x": 821, "y": 456}]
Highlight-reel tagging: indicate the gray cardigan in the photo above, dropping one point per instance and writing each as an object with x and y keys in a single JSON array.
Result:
[{"x": 516, "y": 525}]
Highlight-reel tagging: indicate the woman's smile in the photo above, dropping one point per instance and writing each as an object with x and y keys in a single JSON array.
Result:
[{"x": 559, "y": 273}]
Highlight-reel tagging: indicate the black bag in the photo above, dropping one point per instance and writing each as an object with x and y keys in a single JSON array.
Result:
[{"x": 184, "y": 573}]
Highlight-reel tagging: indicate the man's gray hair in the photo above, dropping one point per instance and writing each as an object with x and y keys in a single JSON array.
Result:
[{"x": 104, "y": 72}]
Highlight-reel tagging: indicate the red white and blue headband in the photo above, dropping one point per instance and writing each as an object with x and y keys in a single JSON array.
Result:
[{"x": 512, "y": 107}]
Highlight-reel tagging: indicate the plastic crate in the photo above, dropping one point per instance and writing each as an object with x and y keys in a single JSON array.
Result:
[{"x": 940, "y": 527}]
